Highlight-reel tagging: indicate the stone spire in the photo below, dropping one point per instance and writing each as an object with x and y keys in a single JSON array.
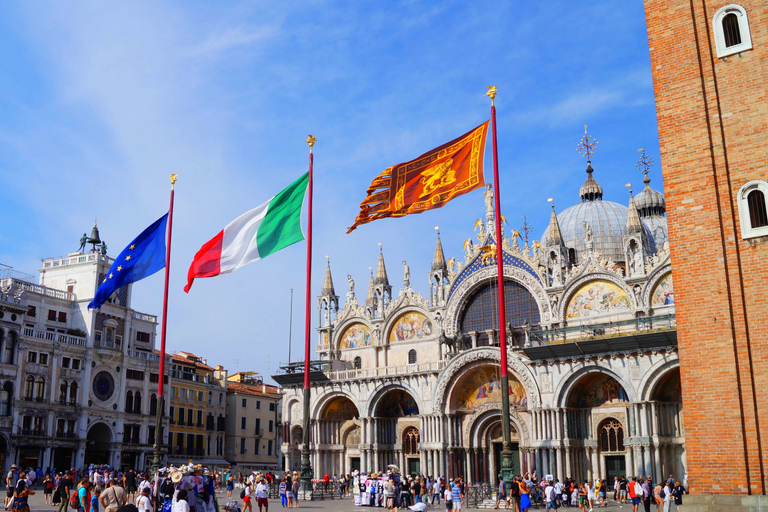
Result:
[
  {"x": 634, "y": 225},
  {"x": 371, "y": 286},
  {"x": 381, "y": 270},
  {"x": 555, "y": 236},
  {"x": 438, "y": 262},
  {"x": 328, "y": 282}
]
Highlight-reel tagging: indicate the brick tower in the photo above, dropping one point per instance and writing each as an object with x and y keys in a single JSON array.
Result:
[{"x": 710, "y": 72}]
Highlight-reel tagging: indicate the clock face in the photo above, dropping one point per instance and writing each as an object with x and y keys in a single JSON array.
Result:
[{"x": 103, "y": 386}]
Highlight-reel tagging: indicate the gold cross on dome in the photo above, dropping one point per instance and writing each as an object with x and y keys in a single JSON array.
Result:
[
  {"x": 587, "y": 145},
  {"x": 645, "y": 162}
]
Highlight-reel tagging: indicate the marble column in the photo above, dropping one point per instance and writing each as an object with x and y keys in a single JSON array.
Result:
[
  {"x": 560, "y": 472},
  {"x": 568, "y": 471}
]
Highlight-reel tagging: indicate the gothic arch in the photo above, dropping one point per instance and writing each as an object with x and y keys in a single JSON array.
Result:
[
  {"x": 565, "y": 387},
  {"x": 375, "y": 398},
  {"x": 478, "y": 278},
  {"x": 470, "y": 359},
  {"x": 655, "y": 374}
]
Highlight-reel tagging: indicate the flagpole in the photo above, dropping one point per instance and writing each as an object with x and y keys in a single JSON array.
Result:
[
  {"x": 306, "y": 464},
  {"x": 161, "y": 380},
  {"x": 506, "y": 452}
]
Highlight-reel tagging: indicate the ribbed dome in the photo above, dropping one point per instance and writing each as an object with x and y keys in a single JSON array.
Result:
[
  {"x": 650, "y": 202},
  {"x": 608, "y": 221},
  {"x": 658, "y": 228}
]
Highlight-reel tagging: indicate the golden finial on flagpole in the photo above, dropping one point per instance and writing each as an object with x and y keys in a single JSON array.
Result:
[
  {"x": 174, "y": 177},
  {"x": 311, "y": 141},
  {"x": 491, "y": 92}
]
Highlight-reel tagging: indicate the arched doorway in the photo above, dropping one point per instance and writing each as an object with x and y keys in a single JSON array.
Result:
[
  {"x": 352, "y": 449},
  {"x": 395, "y": 413},
  {"x": 97, "y": 446},
  {"x": 610, "y": 435},
  {"x": 335, "y": 419},
  {"x": 667, "y": 399},
  {"x": 596, "y": 410}
]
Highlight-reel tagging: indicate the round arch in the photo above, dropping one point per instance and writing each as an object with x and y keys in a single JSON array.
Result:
[
  {"x": 475, "y": 434},
  {"x": 471, "y": 359},
  {"x": 98, "y": 444},
  {"x": 375, "y": 399},
  {"x": 564, "y": 389},
  {"x": 341, "y": 330},
  {"x": 474, "y": 281},
  {"x": 592, "y": 277},
  {"x": 393, "y": 317},
  {"x": 654, "y": 375},
  {"x": 325, "y": 400}
]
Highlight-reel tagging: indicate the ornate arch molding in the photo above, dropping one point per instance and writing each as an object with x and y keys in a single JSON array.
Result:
[
  {"x": 287, "y": 406},
  {"x": 574, "y": 286},
  {"x": 346, "y": 428},
  {"x": 653, "y": 279},
  {"x": 564, "y": 388},
  {"x": 402, "y": 309},
  {"x": 484, "y": 417},
  {"x": 473, "y": 358},
  {"x": 375, "y": 398},
  {"x": 323, "y": 400},
  {"x": 338, "y": 331},
  {"x": 655, "y": 373},
  {"x": 468, "y": 286}
]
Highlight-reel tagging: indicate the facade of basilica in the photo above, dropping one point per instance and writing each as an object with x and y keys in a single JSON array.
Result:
[{"x": 594, "y": 376}]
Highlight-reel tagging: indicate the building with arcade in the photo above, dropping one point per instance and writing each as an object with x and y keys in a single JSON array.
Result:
[{"x": 594, "y": 371}]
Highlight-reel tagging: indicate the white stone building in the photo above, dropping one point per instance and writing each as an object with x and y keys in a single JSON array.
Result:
[
  {"x": 80, "y": 385},
  {"x": 594, "y": 378}
]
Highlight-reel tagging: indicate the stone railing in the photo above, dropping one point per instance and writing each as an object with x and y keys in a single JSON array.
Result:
[
  {"x": 39, "y": 334},
  {"x": 75, "y": 259},
  {"x": 147, "y": 356},
  {"x": 406, "y": 369},
  {"x": 35, "y": 288},
  {"x": 143, "y": 317}
]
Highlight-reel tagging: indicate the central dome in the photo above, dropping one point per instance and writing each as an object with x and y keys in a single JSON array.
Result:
[{"x": 607, "y": 219}]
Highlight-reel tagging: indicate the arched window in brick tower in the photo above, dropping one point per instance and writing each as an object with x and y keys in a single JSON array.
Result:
[
  {"x": 731, "y": 30},
  {"x": 758, "y": 216},
  {"x": 611, "y": 435},
  {"x": 411, "y": 438}
]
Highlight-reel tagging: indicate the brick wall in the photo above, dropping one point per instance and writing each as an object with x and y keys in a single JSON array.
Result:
[{"x": 713, "y": 129}]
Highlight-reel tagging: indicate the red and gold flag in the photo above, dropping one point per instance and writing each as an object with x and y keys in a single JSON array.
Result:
[{"x": 427, "y": 182}]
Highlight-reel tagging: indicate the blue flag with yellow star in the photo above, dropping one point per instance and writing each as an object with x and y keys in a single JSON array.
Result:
[{"x": 142, "y": 258}]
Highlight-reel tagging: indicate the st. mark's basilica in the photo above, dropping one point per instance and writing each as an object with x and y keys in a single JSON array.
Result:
[{"x": 593, "y": 364}]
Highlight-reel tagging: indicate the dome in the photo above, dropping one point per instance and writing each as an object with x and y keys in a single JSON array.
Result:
[
  {"x": 658, "y": 228},
  {"x": 650, "y": 202},
  {"x": 608, "y": 221}
]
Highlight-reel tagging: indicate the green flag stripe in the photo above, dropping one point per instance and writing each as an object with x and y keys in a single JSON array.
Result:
[{"x": 281, "y": 226}]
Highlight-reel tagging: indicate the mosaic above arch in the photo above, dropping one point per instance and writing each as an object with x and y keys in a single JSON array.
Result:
[
  {"x": 596, "y": 298},
  {"x": 340, "y": 408},
  {"x": 397, "y": 404},
  {"x": 663, "y": 293},
  {"x": 482, "y": 386},
  {"x": 411, "y": 326},
  {"x": 356, "y": 336},
  {"x": 595, "y": 389}
]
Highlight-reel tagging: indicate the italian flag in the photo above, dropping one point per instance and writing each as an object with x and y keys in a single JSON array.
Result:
[{"x": 254, "y": 235}]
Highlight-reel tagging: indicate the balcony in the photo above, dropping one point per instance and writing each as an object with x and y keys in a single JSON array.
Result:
[
  {"x": 146, "y": 356},
  {"x": 67, "y": 339},
  {"x": 144, "y": 317},
  {"x": 406, "y": 369},
  {"x": 35, "y": 399},
  {"x": 66, "y": 402},
  {"x": 33, "y": 432},
  {"x": 15, "y": 283},
  {"x": 259, "y": 432},
  {"x": 66, "y": 435}
]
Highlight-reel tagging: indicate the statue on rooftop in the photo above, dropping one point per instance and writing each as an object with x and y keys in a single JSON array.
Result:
[{"x": 83, "y": 240}]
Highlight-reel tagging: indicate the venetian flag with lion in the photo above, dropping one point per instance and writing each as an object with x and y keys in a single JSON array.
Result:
[{"x": 427, "y": 182}]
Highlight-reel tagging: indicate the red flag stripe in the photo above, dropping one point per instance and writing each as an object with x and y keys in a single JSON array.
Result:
[{"x": 207, "y": 260}]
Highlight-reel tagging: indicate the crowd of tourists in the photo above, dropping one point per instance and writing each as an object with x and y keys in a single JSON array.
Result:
[{"x": 528, "y": 490}]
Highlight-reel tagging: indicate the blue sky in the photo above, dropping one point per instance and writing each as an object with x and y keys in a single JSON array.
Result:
[{"x": 100, "y": 102}]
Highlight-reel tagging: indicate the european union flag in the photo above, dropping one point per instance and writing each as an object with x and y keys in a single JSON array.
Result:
[{"x": 142, "y": 258}]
